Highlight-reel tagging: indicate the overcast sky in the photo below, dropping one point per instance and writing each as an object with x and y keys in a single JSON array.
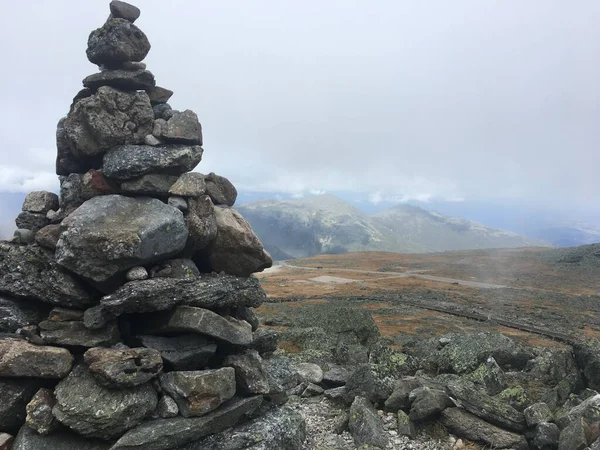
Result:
[{"x": 445, "y": 100}]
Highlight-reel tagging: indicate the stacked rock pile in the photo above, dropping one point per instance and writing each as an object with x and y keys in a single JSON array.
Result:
[{"x": 126, "y": 301}]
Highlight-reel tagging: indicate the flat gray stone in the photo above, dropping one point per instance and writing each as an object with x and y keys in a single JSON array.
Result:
[
  {"x": 183, "y": 127},
  {"x": 19, "y": 358},
  {"x": 151, "y": 184},
  {"x": 127, "y": 80},
  {"x": 28, "y": 439},
  {"x": 189, "y": 184},
  {"x": 31, "y": 221},
  {"x": 183, "y": 352},
  {"x": 123, "y": 367},
  {"x": 366, "y": 426},
  {"x": 123, "y": 10},
  {"x": 159, "y": 95},
  {"x": 15, "y": 314},
  {"x": 125, "y": 232},
  {"x": 250, "y": 374}
]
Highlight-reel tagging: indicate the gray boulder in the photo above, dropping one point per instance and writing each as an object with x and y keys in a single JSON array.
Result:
[
  {"x": 183, "y": 352},
  {"x": 365, "y": 425},
  {"x": 19, "y": 358},
  {"x": 489, "y": 376},
  {"x": 23, "y": 236},
  {"x": 190, "y": 184},
  {"x": 220, "y": 190},
  {"x": 116, "y": 42},
  {"x": 6, "y": 441},
  {"x": 309, "y": 372},
  {"x": 127, "y": 80},
  {"x": 48, "y": 236},
  {"x": 336, "y": 376},
  {"x": 31, "y": 273},
  {"x": 93, "y": 410},
  {"x": 546, "y": 436},
  {"x": 31, "y": 221},
  {"x": 28, "y": 439},
  {"x": 265, "y": 340},
  {"x": 587, "y": 353},
  {"x": 201, "y": 222},
  {"x": 167, "y": 407},
  {"x": 15, "y": 394},
  {"x": 427, "y": 404},
  {"x": 125, "y": 162},
  {"x": 66, "y": 327},
  {"x": 15, "y": 314},
  {"x": 39, "y": 412},
  {"x": 112, "y": 233},
  {"x": 400, "y": 396},
  {"x": 209, "y": 291},
  {"x": 152, "y": 184},
  {"x": 574, "y": 436},
  {"x": 406, "y": 427},
  {"x": 40, "y": 202},
  {"x": 466, "y": 425},
  {"x": 159, "y": 95},
  {"x": 281, "y": 374},
  {"x": 280, "y": 428},
  {"x": 364, "y": 382},
  {"x": 250, "y": 374},
  {"x": 236, "y": 250},
  {"x": 201, "y": 391},
  {"x": 181, "y": 269},
  {"x": 123, "y": 367},
  {"x": 183, "y": 127},
  {"x": 123, "y": 10},
  {"x": 66, "y": 161},
  {"x": 165, "y": 434},
  {"x": 189, "y": 319},
  {"x": 537, "y": 413},
  {"x": 106, "y": 119}
]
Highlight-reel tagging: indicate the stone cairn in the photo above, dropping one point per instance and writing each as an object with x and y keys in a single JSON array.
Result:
[{"x": 126, "y": 302}]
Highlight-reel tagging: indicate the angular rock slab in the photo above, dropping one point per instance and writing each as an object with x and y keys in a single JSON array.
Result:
[
  {"x": 220, "y": 190},
  {"x": 183, "y": 352},
  {"x": 125, "y": 162},
  {"x": 186, "y": 319},
  {"x": 15, "y": 395},
  {"x": 108, "y": 118},
  {"x": 280, "y": 428},
  {"x": 39, "y": 412},
  {"x": 190, "y": 184},
  {"x": 165, "y": 434},
  {"x": 464, "y": 424},
  {"x": 365, "y": 425},
  {"x": 112, "y": 233},
  {"x": 92, "y": 410},
  {"x": 236, "y": 250},
  {"x": 151, "y": 184},
  {"x": 127, "y": 80},
  {"x": 201, "y": 391},
  {"x": 116, "y": 42},
  {"x": 15, "y": 314},
  {"x": 158, "y": 294},
  {"x": 66, "y": 327},
  {"x": 21, "y": 359},
  {"x": 250, "y": 375},
  {"x": 183, "y": 127},
  {"x": 201, "y": 222},
  {"x": 40, "y": 202},
  {"x": 31, "y": 221},
  {"x": 28, "y": 439},
  {"x": 123, "y": 368}
]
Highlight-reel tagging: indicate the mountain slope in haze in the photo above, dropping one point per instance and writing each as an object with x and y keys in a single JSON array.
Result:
[{"x": 327, "y": 224}]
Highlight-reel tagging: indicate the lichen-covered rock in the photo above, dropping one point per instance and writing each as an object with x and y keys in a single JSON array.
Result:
[
  {"x": 366, "y": 426},
  {"x": 39, "y": 412},
  {"x": 183, "y": 127},
  {"x": 400, "y": 396},
  {"x": 235, "y": 250},
  {"x": 116, "y": 42},
  {"x": 66, "y": 327},
  {"x": 127, "y": 80},
  {"x": 15, "y": 314},
  {"x": 201, "y": 391},
  {"x": 197, "y": 320},
  {"x": 190, "y": 184},
  {"x": 546, "y": 436},
  {"x": 180, "y": 268},
  {"x": 574, "y": 436},
  {"x": 281, "y": 374},
  {"x": 106, "y": 119},
  {"x": 40, "y": 202},
  {"x": 537, "y": 413},
  {"x": 165, "y": 434},
  {"x": 309, "y": 372},
  {"x": 427, "y": 403},
  {"x": 92, "y": 410},
  {"x": 112, "y": 233},
  {"x": 466, "y": 425},
  {"x": 125, "y": 162},
  {"x": 220, "y": 190},
  {"x": 182, "y": 352},
  {"x": 123, "y": 367},
  {"x": 587, "y": 353},
  {"x": 364, "y": 382},
  {"x": 250, "y": 374},
  {"x": 19, "y": 358},
  {"x": 15, "y": 395},
  {"x": 209, "y": 291},
  {"x": 489, "y": 376}
]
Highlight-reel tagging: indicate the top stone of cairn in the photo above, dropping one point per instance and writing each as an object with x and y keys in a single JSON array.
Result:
[{"x": 122, "y": 10}]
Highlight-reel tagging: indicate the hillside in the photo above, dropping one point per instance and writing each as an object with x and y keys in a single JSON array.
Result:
[{"x": 327, "y": 224}]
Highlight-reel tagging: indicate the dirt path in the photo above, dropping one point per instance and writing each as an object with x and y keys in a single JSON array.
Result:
[{"x": 407, "y": 274}]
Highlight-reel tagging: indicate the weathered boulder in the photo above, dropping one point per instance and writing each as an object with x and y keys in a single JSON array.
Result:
[
  {"x": 39, "y": 412},
  {"x": 108, "y": 118},
  {"x": 201, "y": 391},
  {"x": 165, "y": 434},
  {"x": 265, "y": 340},
  {"x": 537, "y": 413},
  {"x": 15, "y": 395},
  {"x": 488, "y": 408},
  {"x": 489, "y": 376},
  {"x": 181, "y": 269},
  {"x": 209, "y": 291},
  {"x": 48, "y": 236},
  {"x": 400, "y": 396},
  {"x": 159, "y": 95},
  {"x": 137, "y": 273},
  {"x": 15, "y": 314},
  {"x": 40, "y": 202},
  {"x": 93, "y": 410},
  {"x": 280, "y": 428},
  {"x": 66, "y": 161},
  {"x": 116, "y": 42},
  {"x": 127, "y": 80},
  {"x": 235, "y": 250},
  {"x": 364, "y": 382},
  {"x": 28, "y": 439},
  {"x": 309, "y": 372},
  {"x": 201, "y": 222},
  {"x": 113, "y": 233},
  {"x": 427, "y": 404},
  {"x": 66, "y": 327},
  {"x": 183, "y": 127},
  {"x": 574, "y": 436},
  {"x": 19, "y": 358},
  {"x": 281, "y": 374},
  {"x": 466, "y": 425},
  {"x": 190, "y": 184},
  {"x": 189, "y": 319},
  {"x": 125, "y": 162},
  {"x": 123, "y": 367},
  {"x": 31, "y": 221},
  {"x": 220, "y": 190},
  {"x": 588, "y": 357},
  {"x": 557, "y": 367},
  {"x": 250, "y": 374},
  {"x": 336, "y": 375},
  {"x": 312, "y": 390},
  {"x": 246, "y": 313},
  {"x": 546, "y": 436},
  {"x": 365, "y": 426},
  {"x": 152, "y": 184},
  {"x": 23, "y": 236},
  {"x": 167, "y": 407},
  {"x": 183, "y": 352},
  {"x": 406, "y": 427},
  {"x": 123, "y": 10}
]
